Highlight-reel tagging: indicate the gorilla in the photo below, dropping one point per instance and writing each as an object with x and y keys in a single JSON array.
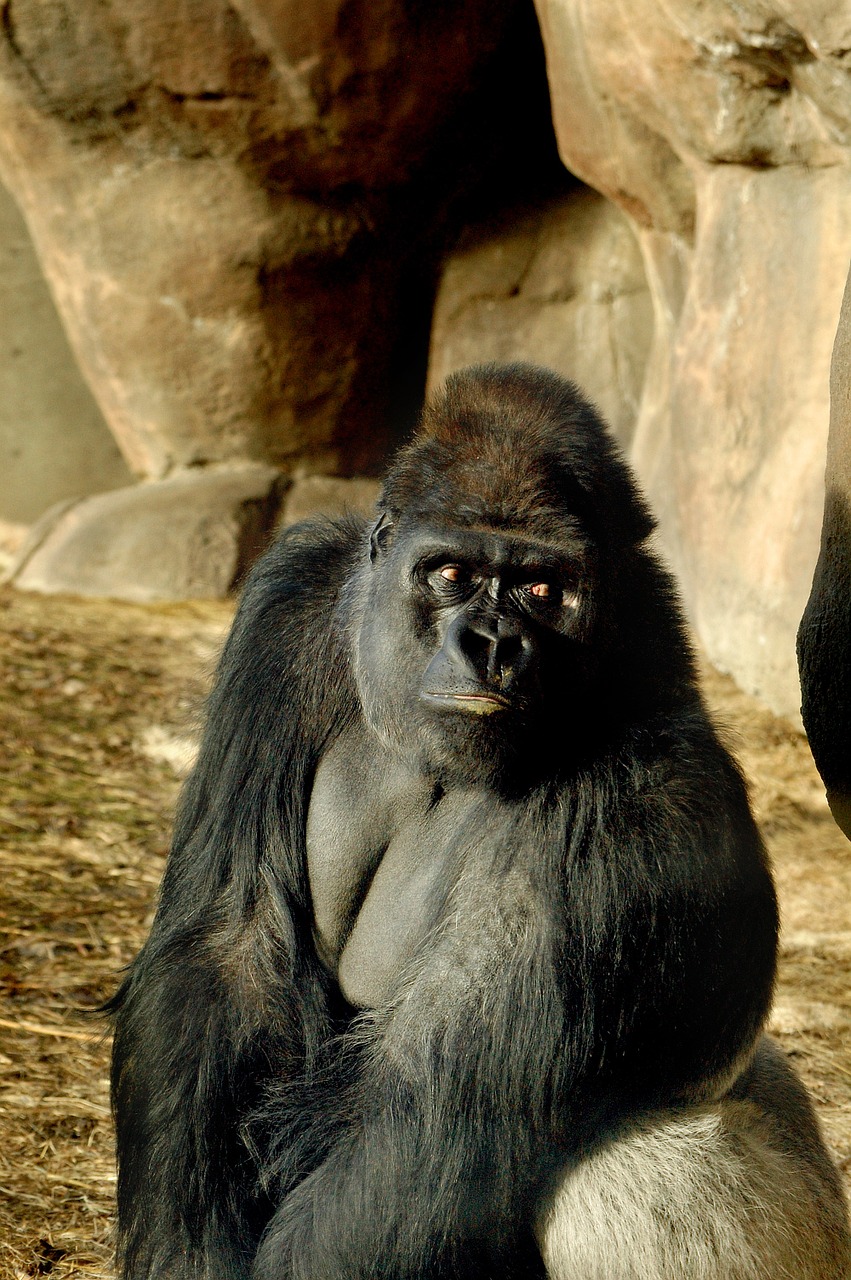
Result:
[
  {"x": 467, "y": 936},
  {"x": 824, "y": 636}
]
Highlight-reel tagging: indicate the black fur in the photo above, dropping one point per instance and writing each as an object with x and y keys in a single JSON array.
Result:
[{"x": 596, "y": 939}]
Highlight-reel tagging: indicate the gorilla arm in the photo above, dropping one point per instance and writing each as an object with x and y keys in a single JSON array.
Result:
[
  {"x": 597, "y": 955},
  {"x": 228, "y": 990}
]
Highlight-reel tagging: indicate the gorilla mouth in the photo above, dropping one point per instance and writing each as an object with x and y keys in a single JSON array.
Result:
[{"x": 479, "y": 704}]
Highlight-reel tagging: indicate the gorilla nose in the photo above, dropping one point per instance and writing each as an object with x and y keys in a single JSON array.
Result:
[{"x": 494, "y": 649}]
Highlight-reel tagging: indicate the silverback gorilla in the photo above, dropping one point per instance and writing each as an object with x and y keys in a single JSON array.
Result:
[{"x": 467, "y": 935}]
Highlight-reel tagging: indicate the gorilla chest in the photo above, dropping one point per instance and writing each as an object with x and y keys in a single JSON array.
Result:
[{"x": 381, "y": 853}]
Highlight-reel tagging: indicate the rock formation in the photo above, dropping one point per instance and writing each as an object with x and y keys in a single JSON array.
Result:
[
  {"x": 54, "y": 443},
  {"x": 561, "y": 284},
  {"x": 723, "y": 132},
  {"x": 217, "y": 192},
  {"x": 234, "y": 204},
  {"x": 239, "y": 206},
  {"x": 193, "y": 534}
]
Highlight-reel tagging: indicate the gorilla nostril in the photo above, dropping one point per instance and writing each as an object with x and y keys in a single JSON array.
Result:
[
  {"x": 507, "y": 651},
  {"x": 477, "y": 647}
]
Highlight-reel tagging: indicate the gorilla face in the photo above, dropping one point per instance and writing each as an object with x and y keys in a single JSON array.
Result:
[
  {"x": 473, "y": 642},
  {"x": 487, "y": 617}
]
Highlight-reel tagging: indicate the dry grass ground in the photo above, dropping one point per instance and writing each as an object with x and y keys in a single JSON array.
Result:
[{"x": 90, "y": 693}]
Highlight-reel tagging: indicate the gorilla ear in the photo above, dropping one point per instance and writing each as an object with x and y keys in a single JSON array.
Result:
[{"x": 379, "y": 536}]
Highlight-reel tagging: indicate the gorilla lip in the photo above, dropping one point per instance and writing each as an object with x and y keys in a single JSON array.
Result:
[{"x": 482, "y": 704}]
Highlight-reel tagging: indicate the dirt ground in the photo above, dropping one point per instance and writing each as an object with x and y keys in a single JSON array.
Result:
[{"x": 97, "y": 704}]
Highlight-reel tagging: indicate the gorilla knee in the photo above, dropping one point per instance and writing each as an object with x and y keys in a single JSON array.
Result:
[{"x": 740, "y": 1189}]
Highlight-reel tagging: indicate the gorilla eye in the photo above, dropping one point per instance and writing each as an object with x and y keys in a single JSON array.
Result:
[
  {"x": 453, "y": 573},
  {"x": 552, "y": 594},
  {"x": 450, "y": 581},
  {"x": 542, "y": 592}
]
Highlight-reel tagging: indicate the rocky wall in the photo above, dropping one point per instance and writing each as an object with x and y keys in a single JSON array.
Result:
[
  {"x": 54, "y": 443},
  {"x": 722, "y": 131},
  {"x": 221, "y": 196},
  {"x": 559, "y": 283},
  {"x": 239, "y": 204}
]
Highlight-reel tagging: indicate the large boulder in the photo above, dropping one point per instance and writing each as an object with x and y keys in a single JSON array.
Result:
[
  {"x": 724, "y": 133},
  {"x": 310, "y": 496},
  {"x": 226, "y": 198},
  {"x": 193, "y": 534}
]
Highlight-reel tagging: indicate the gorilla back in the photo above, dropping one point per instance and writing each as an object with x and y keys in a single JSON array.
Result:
[{"x": 467, "y": 936}]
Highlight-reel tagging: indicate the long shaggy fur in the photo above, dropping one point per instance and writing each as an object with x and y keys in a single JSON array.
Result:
[{"x": 564, "y": 1044}]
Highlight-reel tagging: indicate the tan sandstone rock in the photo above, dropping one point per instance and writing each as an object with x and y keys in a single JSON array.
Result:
[
  {"x": 562, "y": 286},
  {"x": 327, "y": 496},
  {"x": 209, "y": 186},
  {"x": 54, "y": 443},
  {"x": 191, "y": 535},
  {"x": 724, "y": 132}
]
